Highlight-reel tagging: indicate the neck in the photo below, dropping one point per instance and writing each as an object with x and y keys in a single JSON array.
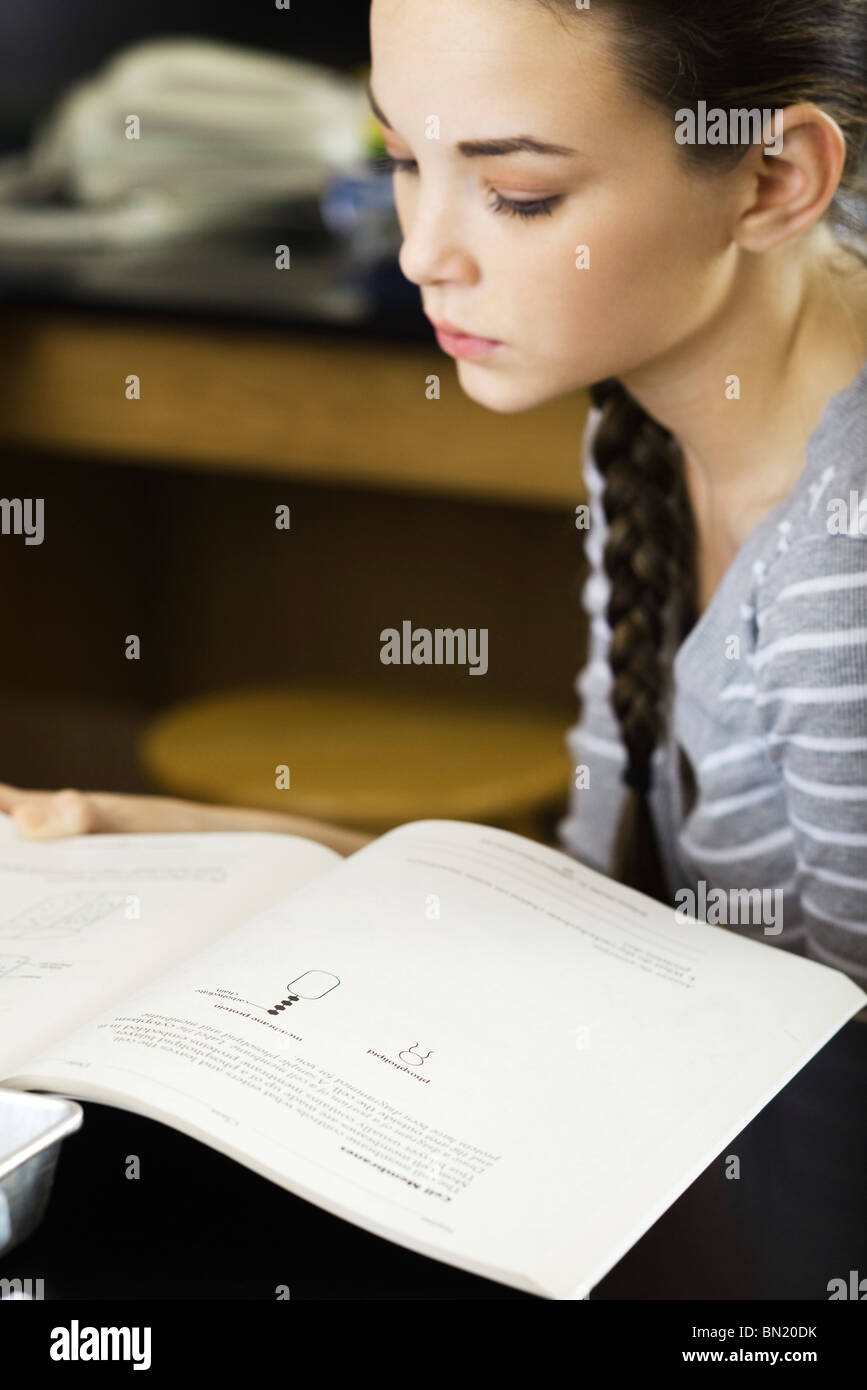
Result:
[{"x": 792, "y": 327}]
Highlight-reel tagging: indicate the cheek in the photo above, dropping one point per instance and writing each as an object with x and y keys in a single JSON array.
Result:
[
  {"x": 655, "y": 251},
  {"x": 562, "y": 311},
  {"x": 612, "y": 282}
]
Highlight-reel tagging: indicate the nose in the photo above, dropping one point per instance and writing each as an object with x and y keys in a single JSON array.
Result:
[{"x": 433, "y": 249}]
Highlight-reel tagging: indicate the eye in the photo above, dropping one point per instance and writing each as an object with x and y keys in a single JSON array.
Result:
[
  {"x": 387, "y": 164},
  {"x": 537, "y": 207}
]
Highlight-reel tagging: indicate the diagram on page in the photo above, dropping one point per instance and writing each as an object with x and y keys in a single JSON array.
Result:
[{"x": 62, "y": 915}]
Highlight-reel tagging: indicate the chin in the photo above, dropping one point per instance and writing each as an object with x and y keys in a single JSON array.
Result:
[{"x": 505, "y": 394}]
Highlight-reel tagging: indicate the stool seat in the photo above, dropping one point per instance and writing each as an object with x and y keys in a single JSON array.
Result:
[{"x": 360, "y": 757}]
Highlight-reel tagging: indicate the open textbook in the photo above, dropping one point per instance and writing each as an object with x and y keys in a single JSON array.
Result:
[{"x": 456, "y": 1038}]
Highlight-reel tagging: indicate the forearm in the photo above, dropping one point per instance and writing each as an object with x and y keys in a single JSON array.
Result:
[
  {"x": 337, "y": 837},
  {"x": 42, "y": 815}
]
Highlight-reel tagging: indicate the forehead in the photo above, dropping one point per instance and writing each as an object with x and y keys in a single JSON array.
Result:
[{"x": 487, "y": 67}]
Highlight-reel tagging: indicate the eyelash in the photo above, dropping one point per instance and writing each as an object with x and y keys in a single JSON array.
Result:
[{"x": 539, "y": 207}]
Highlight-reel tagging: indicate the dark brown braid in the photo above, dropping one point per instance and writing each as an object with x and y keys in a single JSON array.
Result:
[{"x": 650, "y": 562}]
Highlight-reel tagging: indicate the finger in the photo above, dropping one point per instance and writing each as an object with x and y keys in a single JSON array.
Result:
[{"x": 56, "y": 814}]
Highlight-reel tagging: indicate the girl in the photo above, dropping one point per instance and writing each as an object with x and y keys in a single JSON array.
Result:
[
  {"x": 653, "y": 204},
  {"x": 661, "y": 204}
]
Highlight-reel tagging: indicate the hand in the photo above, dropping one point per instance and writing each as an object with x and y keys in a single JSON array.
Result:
[{"x": 53, "y": 815}]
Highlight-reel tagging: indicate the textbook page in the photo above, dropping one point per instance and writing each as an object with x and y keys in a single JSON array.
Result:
[
  {"x": 87, "y": 919},
  {"x": 470, "y": 1044}
]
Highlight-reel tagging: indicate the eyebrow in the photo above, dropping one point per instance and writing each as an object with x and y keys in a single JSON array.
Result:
[{"x": 485, "y": 149}]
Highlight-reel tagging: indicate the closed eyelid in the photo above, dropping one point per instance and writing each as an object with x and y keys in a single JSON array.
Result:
[{"x": 532, "y": 207}]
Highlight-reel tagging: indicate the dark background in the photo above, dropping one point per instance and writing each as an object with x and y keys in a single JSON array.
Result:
[{"x": 47, "y": 44}]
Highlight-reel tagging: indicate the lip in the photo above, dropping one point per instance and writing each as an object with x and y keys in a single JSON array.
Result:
[{"x": 457, "y": 343}]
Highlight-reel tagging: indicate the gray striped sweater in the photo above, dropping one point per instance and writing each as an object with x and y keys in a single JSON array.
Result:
[{"x": 768, "y": 704}]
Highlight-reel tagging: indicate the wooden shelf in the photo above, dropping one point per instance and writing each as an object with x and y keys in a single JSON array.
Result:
[{"x": 275, "y": 402}]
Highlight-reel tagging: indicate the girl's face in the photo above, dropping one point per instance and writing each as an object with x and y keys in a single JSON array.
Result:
[{"x": 492, "y": 239}]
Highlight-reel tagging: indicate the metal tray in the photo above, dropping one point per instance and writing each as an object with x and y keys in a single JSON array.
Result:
[{"x": 32, "y": 1127}]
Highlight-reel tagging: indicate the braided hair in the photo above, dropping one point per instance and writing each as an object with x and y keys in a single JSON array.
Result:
[{"x": 649, "y": 558}]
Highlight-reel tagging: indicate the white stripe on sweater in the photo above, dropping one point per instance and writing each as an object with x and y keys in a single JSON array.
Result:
[
  {"x": 830, "y": 791},
  {"x": 814, "y": 695},
  {"x": 809, "y": 641},
  {"x": 735, "y": 753},
  {"x": 725, "y": 805},
  {"x": 734, "y": 853},
  {"x": 817, "y": 744},
  {"x": 830, "y": 876},
  {"x": 828, "y": 837},
  {"x": 823, "y": 585},
  {"x": 847, "y": 923}
]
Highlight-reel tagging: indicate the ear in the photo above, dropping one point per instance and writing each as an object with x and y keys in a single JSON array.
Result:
[{"x": 787, "y": 192}]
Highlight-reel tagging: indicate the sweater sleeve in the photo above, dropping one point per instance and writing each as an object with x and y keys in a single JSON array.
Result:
[
  {"x": 810, "y": 673},
  {"x": 598, "y": 756}
]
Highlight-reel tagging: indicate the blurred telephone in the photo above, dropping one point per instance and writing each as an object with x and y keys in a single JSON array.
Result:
[{"x": 179, "y": 135}]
